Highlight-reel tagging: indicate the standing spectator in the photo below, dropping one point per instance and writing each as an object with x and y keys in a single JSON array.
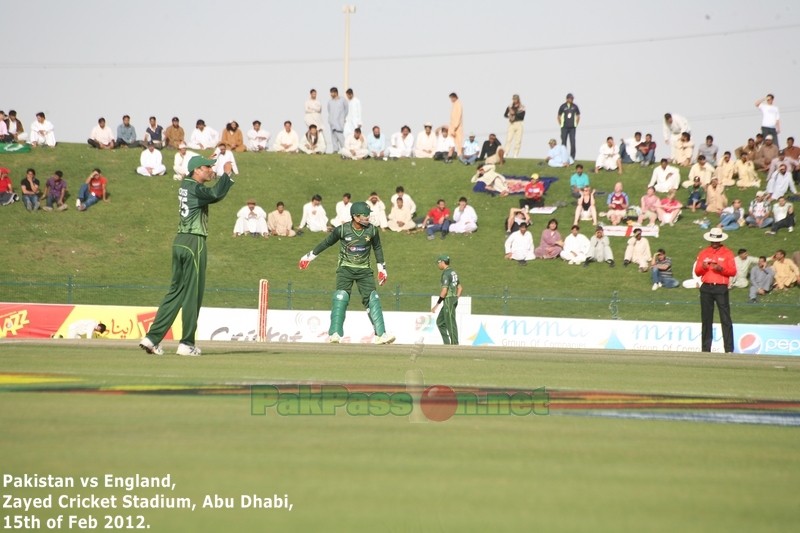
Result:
[
  {"x": 287, "y": 141},
  {"x": 376, "y": 144},
  {"x": 313, "y": 142},
  {"x": 649, "y": 204},
  {"x": 661, "y": 270},
  {"x": 568, "y": 118},
  {"x": 550, "y": 245},
  {"x": 445, "y": 145},
  {"x": 787, "y": 272},
  {"x": 280, "y": 223},
  {"x": 783, "y": 212},
  {"x": 492, "y": 151},
  {"x": 456, "y": 122},
  {"x": 314, "y": 215},
  {"x": 203, "y": 137},
  {"x": 15, "y": 128},
  {"x": 55, "y": 189},
  {"x": 251, "y": 219},
  {"x": 233, "y": 138},
  {"x": 762, "y": 279},
  {"x": 313, "y": 110},
  {"x": 715, "y": 265},
  {"x": 519, "y": 246},
  {"x": 515, "y": 113},
  {"x": 154, "y": 134},
  {"x": 126, "y": 134},
  {"x": 7, "y": 195},
  {"x": 576, "y": 246},
  {"x": 646, "y": 150},
  {"x": 534, "y": 193},
  {"x": 353, "y": 119},
  {"x": 102, "y": 137},
  {"x": 770, "y": 117},
  {"x": 355, "y": 147},
  {"x": 465, "y": 219},
  {"x": 426, "y": 142},
  {"x": 342, "y": 211},
  {"x": 557, "y": 155},
  {"x": 42, "y": 132},
  {"x": 92, "y": 191},
  {"x": 437, "y": 219},
  {"x": 470, "y": 150},
  {"x": 377, "y": 211},
  {"x": 599, "y": 249},
  {"x": 258, "y": 139},
  {"x": 174, "y": 135},
  {"x": 150, "y": 163},
  {"x": 638, "y": 251},
  {"x": 402, "y": 144},
  {"x": 709, "y": 150},
  {"x": 337, "y": 113},
  {"x": 674, "y": 127},
  {"x": 30, "y": 190},
  {"x": 181, "y": 163},
  {"x": 758, "y": 213},
  {"x": 617, "y": 205},
  {"x": 221, "y": 156},
  {"x": 578, "y": 181}
]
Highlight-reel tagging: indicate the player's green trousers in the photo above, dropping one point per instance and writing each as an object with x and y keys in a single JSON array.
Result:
[
  {"x": 365, "y": 278},
  {"x": 446, "y": 321},
  {"x": 186, "y": 289}
]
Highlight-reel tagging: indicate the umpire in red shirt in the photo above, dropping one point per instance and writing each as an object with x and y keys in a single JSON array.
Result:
[{"x": 715, "y": 265}]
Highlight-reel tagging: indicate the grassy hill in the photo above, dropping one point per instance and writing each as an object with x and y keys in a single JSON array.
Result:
[{"x": 127, "y": 242}]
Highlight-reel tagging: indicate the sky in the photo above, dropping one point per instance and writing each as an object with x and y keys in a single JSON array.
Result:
[{"x": 626, "y": 63}]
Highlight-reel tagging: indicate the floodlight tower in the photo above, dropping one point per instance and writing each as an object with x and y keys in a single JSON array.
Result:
[{"x": 347, "y": 10}]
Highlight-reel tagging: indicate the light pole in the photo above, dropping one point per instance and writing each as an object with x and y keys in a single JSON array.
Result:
[{"x": 347, "y": 10}]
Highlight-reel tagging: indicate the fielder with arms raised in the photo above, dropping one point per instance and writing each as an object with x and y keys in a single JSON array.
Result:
[{"x": 357, "y": 238}]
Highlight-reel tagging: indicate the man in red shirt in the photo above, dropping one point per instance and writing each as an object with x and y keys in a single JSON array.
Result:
[
  {"x": 437, "y": 219},
  {"x": 715, "y": 266},
  {"x": 7, "y": 196},
  {"x": 92, "y": 191},
  {"x": 534, "y": 193}
]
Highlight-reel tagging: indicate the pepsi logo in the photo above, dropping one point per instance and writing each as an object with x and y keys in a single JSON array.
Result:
[{"x": 750, "y": 343}]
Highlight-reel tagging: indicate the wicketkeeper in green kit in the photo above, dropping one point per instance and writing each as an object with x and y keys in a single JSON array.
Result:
[
  {"x": 188, "y": 256},
  {"x": 357, "y": 239},
  {"x": 451, "y": 290}
]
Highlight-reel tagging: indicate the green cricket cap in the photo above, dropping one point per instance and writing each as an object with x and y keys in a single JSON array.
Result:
[
  {"x": 360, "y": 208},
  {"x": 445, "y": 258},
  {"x": 199, "y": 161}
]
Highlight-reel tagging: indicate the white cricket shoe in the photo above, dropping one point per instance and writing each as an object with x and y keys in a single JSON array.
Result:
[
  {"x": 386, "y": 338},
  {"x": 185, "y": 349},
  {"x": 335, "y": 338},
  {"x": 148, "y": 346}
]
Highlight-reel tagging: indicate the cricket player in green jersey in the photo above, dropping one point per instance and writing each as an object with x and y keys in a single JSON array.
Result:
[
  {"x": 188, "y": 256},
  {"x": 451, "y": 290},
  {"x": 357, "y": 238}
]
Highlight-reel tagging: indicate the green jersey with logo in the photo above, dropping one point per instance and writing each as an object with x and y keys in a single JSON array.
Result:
[
  {"x": 194, "y": 199},
  {"x": 355, "y": 245},
  {"x": 450, "y": 280}
]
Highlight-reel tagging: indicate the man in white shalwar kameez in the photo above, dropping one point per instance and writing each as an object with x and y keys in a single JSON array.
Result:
[
  {"x": 353, "y": 118},
  {"x": 222, "y": 155},
  {"x": 426, "y": 142},
  {"x": 609, "y": 158},
  {"x": 402, "y": 144},
  {"x": 674, "y": 127},
  {"x": 355, "y": 146},
  {"x": 377, "y": 216},
  {"x": 181, "y": 163},
  {"x": 519, "y": 245},
  {"x": 42, "y": 132},
  {"x": 258, "y": 139},
  {"x": 400, "y": 192},
  {"x": 203, "y": 137},
  {"x": 150, "y": 162},
  {"x": 638, "y": 251},
  {"x": 287, "y": 141},
  {"x": 313, "y": 111},
  {"x": 313, "y": 142},
  {"x": 85, "y": 328},
  {"x": 342, "y": 211},
  {"x": 251, "y": 219},
  {"x": 314, "y": 215},
  {"x": 576, "y": 246},
  {"x": 465, "y": 219},
  {"x": 400, "y": 218},
  {"x": 494, "y": 182}
]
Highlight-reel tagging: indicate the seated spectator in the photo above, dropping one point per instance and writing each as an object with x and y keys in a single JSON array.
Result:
[
  {"x": 233, "y": 138},
  {"x": 287, "y": 141},
  {"x": 697, "y": 195},
  {"x": 437, "y": 219},
  {"x": 743, "y": 264},
  {"x": 627, "y": 148},
  {"x": 576, "y": 247},
  {"x": 342, "y": 211},
  {"x": 426, "y": 142},
  {"x": 154, "y": 134},
  {"x": 252, "y": 220},
  {"x": 519, "y": 246},
  {"x": 174, "y": 135},
  {"x": 661, "y": 270},
  {"x": 445, "y": 146},
  {"x": 516, "y": 217},
  {"x": 465, "y": 219},
  {"x": 783, "y": 213},
  {"x": 646, "y": 151},
  {"x": 400, "y": 192},
  {"x": 279, "y": 222},
  {"x": 669, "y": 209},
  {"x": 665, "y": 178},
  {"x": 5, "y": 137},
  {"x": 7, "y": 194},
  {"x": 780, "y": 183},
  {"x": 377, "y": 211},
  {"x": 313, "y": 142},
  {"x": 55, "y": 189},
  {"x": 725, "y": 170},
  {"x": 203, "y": 137},
  {"x": 376, "y": 144},
  {"x": 42, "y": 132},
  {"x": 102, "y": 137},
  {"x": 599, "y": 249},
  {"x": 762, "y": 278},
  {"x": 92, "y": 191},
  {"x": 786, "y": 271},
  {"x": 494, "y": 182},
  {"x": 492, "y": 151},
  {"x": 550, "y": 245},
  {"x": 30, "y": 191},
  {"x": 150, "y": 162},
  {"x": 732, "y": 217},
  {"x": 355, "y": 147},
  {"x": 696, "y": 280},
  {"x": 746, "y": 172},
  {"x": 791, "y": 151},
  {"x": 221, "y": 155},
  {"x": 586, "y": 209},
  {"x": 716, "y": 200},
  {"x": 791, "y": 164},
  {"x": 649, "y": 204},
  {"x": 400, "y": 219},
  {"x": 258, "y": 139},
  {"x": 15, "y": 129},
  {"x": 684, "y": 149},
  {"x": 578, "y": 181},
  {"x": 181, "y": 163},
  {"x": 402, "y": 144},
  {"x": 638, "y": 251},
  {"x": 617, "y": 205},
  {"x": 765, "y": 155},
  {"x": 709, "y": 150},
  {"x": 749, "y": 149},
  {"x": 314, "y": 216},
  {"x": 126, "y": 134},
  {"x": 534, "y": 193},
  {"x": 758, "y": 212},
  {"x": 701, "y": 170},
  {"x": 558, "y": 155},
  {"x": 470, "y": 150}
]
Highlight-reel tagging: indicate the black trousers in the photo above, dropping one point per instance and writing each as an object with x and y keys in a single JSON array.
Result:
[
  {"x": 531, "y": 203},
  {"x": 710, "y": 294},
  {"x": 787, "y": 222},
  {"x": 569, "y": 133}
]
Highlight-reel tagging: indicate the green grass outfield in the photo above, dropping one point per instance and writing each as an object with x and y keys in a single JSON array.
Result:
[
  {"x": 555, "y": 473},
  {"x": 128, "y": 241}
]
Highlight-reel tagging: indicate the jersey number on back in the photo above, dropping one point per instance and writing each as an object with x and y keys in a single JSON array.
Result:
[{"x": 183, "y": 200}]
